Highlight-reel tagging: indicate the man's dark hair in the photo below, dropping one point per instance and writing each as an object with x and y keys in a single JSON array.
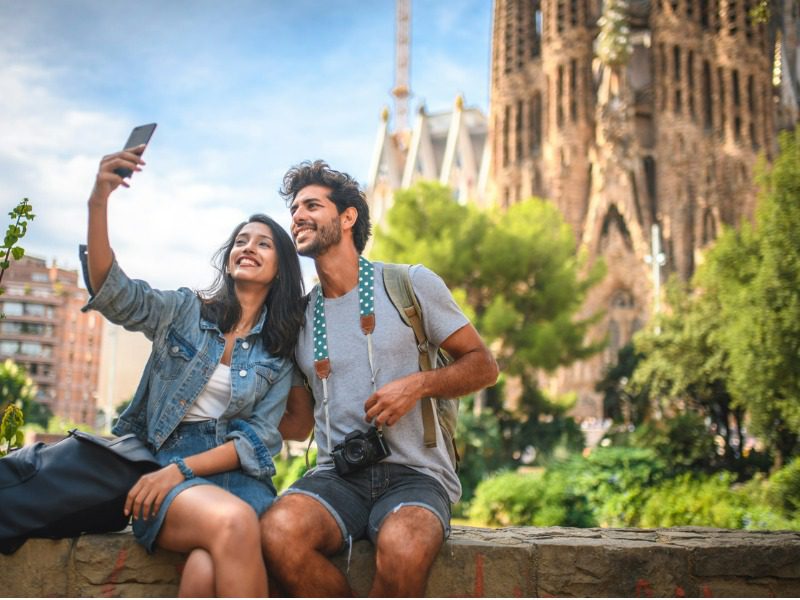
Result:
[
  {"x": 285, "y": 302},
  {"x": 344, "y": 193}
]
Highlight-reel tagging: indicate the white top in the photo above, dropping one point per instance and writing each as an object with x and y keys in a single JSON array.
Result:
[{"x": 214, "y": 398}]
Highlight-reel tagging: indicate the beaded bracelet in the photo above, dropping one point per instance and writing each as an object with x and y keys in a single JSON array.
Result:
[{"x": 183, "y": 467}]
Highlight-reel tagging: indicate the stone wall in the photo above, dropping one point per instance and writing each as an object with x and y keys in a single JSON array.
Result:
[{"x": 510, "y": 562}]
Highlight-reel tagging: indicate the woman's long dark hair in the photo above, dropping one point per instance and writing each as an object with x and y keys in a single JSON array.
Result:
[{"x": 286, "y": 301}]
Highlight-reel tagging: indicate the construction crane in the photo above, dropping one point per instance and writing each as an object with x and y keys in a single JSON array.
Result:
[{"x": 401, "y": 89}]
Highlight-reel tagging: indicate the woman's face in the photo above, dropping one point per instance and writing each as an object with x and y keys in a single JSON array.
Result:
[{"x": 253, "y": 257}]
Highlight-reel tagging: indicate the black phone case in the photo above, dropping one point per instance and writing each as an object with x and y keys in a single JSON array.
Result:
[{"x": 140, "y": 135}]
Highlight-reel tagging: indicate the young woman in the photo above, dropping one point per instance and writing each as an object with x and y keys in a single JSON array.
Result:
[{"x": 212, "y": 394}]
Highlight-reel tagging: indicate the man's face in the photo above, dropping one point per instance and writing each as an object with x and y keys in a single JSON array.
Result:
[{"x": 315, "y": 221}]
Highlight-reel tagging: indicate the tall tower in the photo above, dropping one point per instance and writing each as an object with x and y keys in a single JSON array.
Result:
[
  {"x": 401, "y": 90},
  {"x": 633, "y": 113}
]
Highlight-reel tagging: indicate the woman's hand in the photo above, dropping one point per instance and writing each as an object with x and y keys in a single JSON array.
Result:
[
  {"x": 100, "y": 256},
  {"x": 147, "y": 494},
  {"x": 107, "y": 180}
]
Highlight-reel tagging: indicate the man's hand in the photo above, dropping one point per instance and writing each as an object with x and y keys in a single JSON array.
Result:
[
  {"x": 148, "y": 493},
  {"x": 393, "y": 400},
  {"x": 473, "y": 368}
]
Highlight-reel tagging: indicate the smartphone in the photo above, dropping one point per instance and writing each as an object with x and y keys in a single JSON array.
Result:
[{"x": 140, "y": 135}]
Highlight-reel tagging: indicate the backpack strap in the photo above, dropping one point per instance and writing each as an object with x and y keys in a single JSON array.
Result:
[{"x": 397, "y": 281}]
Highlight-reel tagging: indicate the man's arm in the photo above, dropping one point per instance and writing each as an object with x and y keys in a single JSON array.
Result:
[
  {"x": 473, "y": 368},
  {"x": 298, "y": 420}
]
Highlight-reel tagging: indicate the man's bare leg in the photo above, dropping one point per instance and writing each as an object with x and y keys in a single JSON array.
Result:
[
  {"x": 298, "y": 535},
  {"x": 408, "y": 542}
]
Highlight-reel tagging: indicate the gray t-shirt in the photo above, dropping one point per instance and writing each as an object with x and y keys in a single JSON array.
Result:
[{"x": 395, "y": 355}]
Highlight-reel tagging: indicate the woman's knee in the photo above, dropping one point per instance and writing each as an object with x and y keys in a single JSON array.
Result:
[{"x": 235, "y": 523}]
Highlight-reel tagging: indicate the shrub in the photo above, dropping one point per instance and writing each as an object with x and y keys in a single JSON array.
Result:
[
  {"x": 615, "y": 482},
  {"x": 543, "y": 500},
  {"x": 507, "y": 499},
  {"x": 704, "y": 501},
  {"x": 289, "y": 470},
  {"x": 783, "y": 491}
]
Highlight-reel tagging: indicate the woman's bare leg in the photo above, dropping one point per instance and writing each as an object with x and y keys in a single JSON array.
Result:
[
  {"x": 197, "y": 580},
  {"x": 227, "y": 528}
]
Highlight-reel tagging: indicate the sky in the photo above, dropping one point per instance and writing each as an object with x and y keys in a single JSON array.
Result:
[{"x": 241, "y": 91}]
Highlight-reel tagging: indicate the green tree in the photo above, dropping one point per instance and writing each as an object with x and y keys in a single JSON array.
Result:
[
  {"x": 17, "y": 388},
  {"x": 755, "y": 275},
  {"x": 686, "y": 372},
  {"x": 516, "y": 272},
  {"x": 517, "y": 275}
]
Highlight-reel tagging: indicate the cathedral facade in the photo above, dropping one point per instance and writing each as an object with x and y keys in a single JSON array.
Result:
[{"x": 643, "y": 122}]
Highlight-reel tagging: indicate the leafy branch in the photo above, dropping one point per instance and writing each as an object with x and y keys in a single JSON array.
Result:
[
  {"x": 20, "y": 215},
  {"x": 11, "y": 429}
]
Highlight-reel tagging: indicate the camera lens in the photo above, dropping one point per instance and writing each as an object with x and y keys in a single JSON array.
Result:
[{"x": 355, "y": 451}]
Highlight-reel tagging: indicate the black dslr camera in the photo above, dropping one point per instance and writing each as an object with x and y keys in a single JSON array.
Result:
[{"x": 358, "y": 450}]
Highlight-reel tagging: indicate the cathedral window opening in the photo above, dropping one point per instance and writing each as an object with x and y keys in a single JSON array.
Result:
[
  {"x": 676, "y": 63},
  {"x": 752, "y": 110},
  {"x": 622, "y": 299},
  {"x": 674, "y": 5},
  {"x": 733, "y": 26},
  {"x": 708, "y": 105},
  {"x": 721, "y": 84},
  {"x": 690, "y": 81},
  {"x": 536, "y": 45},
  {"x": 573, "y": 13},
  {"x": 705, "y": 8},
  {"x": 560, "y": 97},
  {"x": 663, "y": 72},
  {"x": 737, "y": 101},
  {"x": 709, "y": 227},
  {"x": 560, "y": 10},
  {"x": 506, "y": 134},
  {"x": 650, "y": 180},
  {"x": 535, "y": 122},
  {"x": 748, "y": 20},
  {"x": 573, "y": 90},
  {"x": 690, "y": 9},
  {"x": 519, "y": 131}
]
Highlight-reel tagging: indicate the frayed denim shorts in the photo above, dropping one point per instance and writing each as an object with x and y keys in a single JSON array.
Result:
[
  {"x": 361, "y": 501},
  {"x": 189, "y": 439}
]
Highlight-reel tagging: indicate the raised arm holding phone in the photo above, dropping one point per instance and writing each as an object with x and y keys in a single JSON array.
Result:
[{"x": 213, "y": 391}]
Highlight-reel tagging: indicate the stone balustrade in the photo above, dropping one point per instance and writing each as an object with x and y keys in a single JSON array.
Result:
[{"x": 475, "y": 562}]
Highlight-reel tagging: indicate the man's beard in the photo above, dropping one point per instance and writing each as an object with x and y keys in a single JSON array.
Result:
[{"x": 327, "y": 235}]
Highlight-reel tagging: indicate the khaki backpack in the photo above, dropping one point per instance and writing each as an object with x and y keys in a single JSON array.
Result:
[{"x": 397, "y": 281}]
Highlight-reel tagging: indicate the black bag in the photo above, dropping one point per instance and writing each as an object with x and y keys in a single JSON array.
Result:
[{"x": 77, "y": 485}]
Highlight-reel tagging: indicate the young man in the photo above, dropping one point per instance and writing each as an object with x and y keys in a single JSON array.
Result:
[{"x": 362, "y": 364}]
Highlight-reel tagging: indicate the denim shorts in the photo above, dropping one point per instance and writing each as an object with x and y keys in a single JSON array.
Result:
[
  {"x": 360, "y": 501},
  {"x": 189, "y": 439}
]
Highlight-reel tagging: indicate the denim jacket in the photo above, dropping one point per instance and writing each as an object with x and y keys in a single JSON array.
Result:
[{"x": 186, "y": 350}]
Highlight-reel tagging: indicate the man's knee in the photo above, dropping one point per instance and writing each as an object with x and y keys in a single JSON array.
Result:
[
  {"x": 410, "y": 534},
  {"x": 298, "y": 521}
]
